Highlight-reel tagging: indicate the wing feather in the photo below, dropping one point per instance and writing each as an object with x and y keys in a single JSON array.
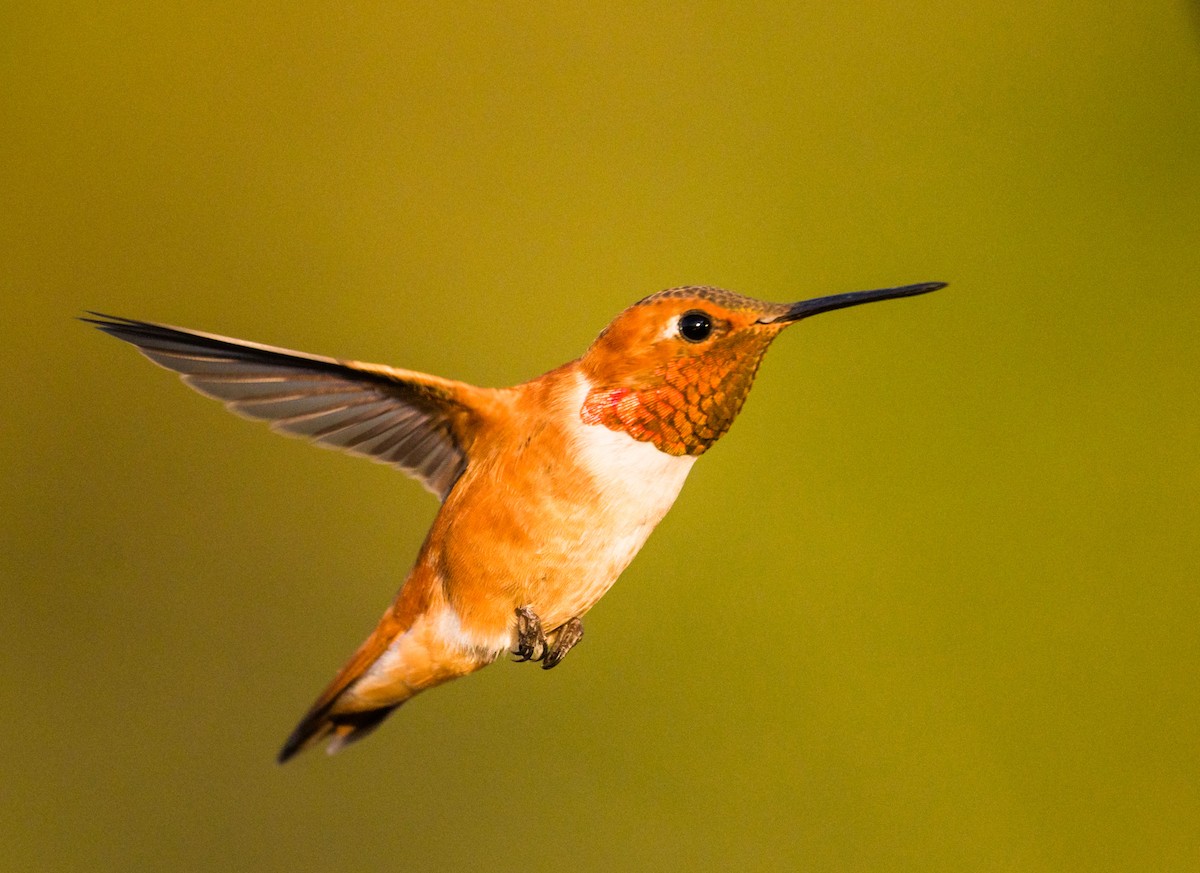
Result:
[{"x": 412, "y": 421}]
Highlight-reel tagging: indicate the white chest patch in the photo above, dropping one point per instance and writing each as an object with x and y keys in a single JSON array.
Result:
[
  {"x": 637, "y": 479},
  {"x": 636, "y": 484}
]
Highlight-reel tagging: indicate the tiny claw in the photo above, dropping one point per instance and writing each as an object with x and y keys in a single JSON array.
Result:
[
  {"x": 531, "y": 640},
  {"x": 565, "y": 639}
]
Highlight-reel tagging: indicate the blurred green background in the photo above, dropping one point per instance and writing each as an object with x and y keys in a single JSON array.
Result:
[{"x": 932, "y": 604}]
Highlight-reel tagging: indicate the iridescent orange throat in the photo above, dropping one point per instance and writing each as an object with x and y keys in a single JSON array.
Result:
[{"x": 688, "y": 403}]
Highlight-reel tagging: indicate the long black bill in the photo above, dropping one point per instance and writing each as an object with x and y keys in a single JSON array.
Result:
[{"x": 805, "y": 308}]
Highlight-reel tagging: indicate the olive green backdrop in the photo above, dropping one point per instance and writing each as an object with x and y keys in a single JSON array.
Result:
[{"x": 931, "y": 605}]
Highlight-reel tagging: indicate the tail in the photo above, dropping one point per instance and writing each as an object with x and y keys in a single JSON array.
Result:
[
  {"x": 341, "y": 713},
  {"x": 345, "y": 729},
  {"x": 404, "y": 655}
]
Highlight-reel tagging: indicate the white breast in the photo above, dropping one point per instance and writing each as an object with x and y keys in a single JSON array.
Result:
[{"x": 637, "y": 481}]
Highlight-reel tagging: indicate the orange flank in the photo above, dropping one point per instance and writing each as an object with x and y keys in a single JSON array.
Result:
[{"x": 548, "y": 488}]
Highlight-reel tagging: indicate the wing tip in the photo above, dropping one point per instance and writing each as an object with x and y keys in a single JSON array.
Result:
[
  {"x": 107, "y": 323},
  {"x": 131, "y": 330}
]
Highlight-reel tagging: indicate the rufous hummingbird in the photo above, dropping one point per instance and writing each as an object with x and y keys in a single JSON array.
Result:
[{"x": 548, "y": 488}]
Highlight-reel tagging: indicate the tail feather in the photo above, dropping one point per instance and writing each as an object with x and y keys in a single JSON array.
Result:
[
  {"x": 343, "y": 729},
  {"x": 323, "y": 720},
  {"x": 405, "y": 654}
]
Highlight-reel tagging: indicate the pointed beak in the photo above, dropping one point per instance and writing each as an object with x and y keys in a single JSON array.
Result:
[{"x": 805, "y": 308}]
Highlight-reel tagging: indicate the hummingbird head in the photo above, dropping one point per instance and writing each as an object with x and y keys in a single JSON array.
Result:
[{"x": 674, "y": 369}]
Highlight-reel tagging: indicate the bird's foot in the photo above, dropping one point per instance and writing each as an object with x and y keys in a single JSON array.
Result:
[
  {"x": 564, "y": 640},
  {"x": 531, "y": 639},
  {"x": 532, "y": 642}
]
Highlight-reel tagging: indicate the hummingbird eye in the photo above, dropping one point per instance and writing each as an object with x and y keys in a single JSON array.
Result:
[{"x": 695, "y": 326}]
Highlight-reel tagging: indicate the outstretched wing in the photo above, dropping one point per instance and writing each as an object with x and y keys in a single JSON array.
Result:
[{"x": 410, "y": 420}]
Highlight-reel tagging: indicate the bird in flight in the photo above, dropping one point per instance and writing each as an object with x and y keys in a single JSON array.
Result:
[{"x": 548, "y": 489}]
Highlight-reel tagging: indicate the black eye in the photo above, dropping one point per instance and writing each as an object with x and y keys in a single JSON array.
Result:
[{"x": 695, "y": 326}]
